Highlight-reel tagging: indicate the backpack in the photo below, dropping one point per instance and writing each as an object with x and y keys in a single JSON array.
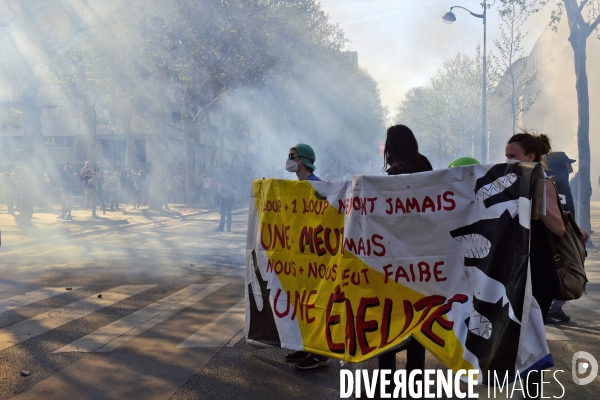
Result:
[{"x": 569, "y": 258}]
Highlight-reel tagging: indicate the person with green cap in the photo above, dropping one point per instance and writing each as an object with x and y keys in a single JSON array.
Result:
[{"x": 301, "y": 160}]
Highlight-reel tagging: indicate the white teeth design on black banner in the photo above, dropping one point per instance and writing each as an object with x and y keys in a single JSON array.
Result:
[
  {"x": 480, "y": 325},
  {"x": 479, "y": 245},
  {"x": 498, "y": 186}
]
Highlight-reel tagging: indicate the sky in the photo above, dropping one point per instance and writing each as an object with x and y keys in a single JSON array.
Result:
[{"x": 402, "y": 43}]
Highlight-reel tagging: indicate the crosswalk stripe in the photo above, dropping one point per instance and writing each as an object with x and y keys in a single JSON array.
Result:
[
  {"x": 587, "y": 303},
  {"x": 555, "y": 334},
  {"x": 220, "y": 331},
  {"x": 115, "y": 334},
  {"x": 21, "y": 331},
  {"x": 31, "y": 297}
]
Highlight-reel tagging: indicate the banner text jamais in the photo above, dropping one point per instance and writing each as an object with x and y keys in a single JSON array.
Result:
[{"x": 444, "y": 202}]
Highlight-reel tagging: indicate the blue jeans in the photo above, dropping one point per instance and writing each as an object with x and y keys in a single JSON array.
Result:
[{"x": 556, "y": 305}]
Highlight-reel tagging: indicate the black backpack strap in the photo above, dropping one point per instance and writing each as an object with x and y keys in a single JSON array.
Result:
[{"x": 549, "y": 234}]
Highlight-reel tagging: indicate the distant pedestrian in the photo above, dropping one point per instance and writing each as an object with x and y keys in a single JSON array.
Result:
[
  {"x": 142, "y": 188},
  {"x": 226, "y": 201},
  {"x": 87, "y": 167},
  {"x": 129, "y": 187},
  {"x": 207, "y": 184},
  {"x": 122, "y": 186},
  {"x": 67, "y": 185},
  {"x": 100, "y": 187},
  {"x": 112, "y": 186},
  {"x": 166, "y": 193},
  {"x": 8, "y": 192},
  {"x": 89, "y": 189},
  {"x": 137, "y": 196}
]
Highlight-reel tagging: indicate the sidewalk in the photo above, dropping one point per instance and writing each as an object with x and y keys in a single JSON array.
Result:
[{"x": 48, "y": 223}]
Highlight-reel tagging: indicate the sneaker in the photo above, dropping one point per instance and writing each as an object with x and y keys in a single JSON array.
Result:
[
  {"x": 296, "y": 356},
  {"x": 560, "y": 315},
  {"x": 310, "y": 363}
]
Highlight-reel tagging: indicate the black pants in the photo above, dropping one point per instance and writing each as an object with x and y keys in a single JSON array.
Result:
[
  {"x": 225, "y": 211},
  {"x": 415, "y": 359},
  {"x": 114, "y": 200}
]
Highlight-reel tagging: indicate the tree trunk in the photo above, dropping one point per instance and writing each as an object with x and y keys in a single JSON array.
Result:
[
  {"x": 89, "y": 113},
  {"x": 578, "y": 43},
  {"x": 158, "y": 189},
  {"x": 190, "y": 168},
  {"x": 130, "y": 156},
  {"x": 31, "y": 123}
]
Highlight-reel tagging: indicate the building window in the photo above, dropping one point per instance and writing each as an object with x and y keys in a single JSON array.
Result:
[
  {"x": 11, "y": 118},
  {"x": 58, "y": 141},
  {"x": 140, "y": 147},
  {"x": 11, "y": 143},
  {"x": 118, "y": 152}
]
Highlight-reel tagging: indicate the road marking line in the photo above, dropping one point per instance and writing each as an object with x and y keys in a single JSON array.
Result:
[
  {"x": 553, "y": 333},
  {"x": 31, "y": 297},
  {"x": 587, "y": 303},
  {"x": 221, "y": 330},
  {"x": 21, "y": 331},
  {"x": 119, "y": 332}
]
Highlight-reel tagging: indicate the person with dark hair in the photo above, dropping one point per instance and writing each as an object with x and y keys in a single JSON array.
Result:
[
  {"x": 401, "y": 156},
  {"x": 401, "y": 152},
  {"x": 530, "y": 147},
  {"x": 301, "y": 160},
  {"x": 544, "y": 280}
]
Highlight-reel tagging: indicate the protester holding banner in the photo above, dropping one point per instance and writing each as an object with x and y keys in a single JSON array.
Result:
[
  {"x": 544, "y": 280},
  {"x": 301, "y": 160},
  {"x": 401, "y": 154}
]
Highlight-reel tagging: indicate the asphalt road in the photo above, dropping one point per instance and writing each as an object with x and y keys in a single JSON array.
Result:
[{"x": 168, "y": 321}]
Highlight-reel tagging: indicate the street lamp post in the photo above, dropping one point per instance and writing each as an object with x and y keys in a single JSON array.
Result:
[{"x": 449, "y": 18}]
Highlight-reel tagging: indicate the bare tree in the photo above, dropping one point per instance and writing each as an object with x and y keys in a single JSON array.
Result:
[
  {"x": 510, "y": 63},
  {"x": 582, "y": 18}
]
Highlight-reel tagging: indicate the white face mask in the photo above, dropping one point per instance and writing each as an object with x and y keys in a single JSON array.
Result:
[
  {"x": 291, "y": 165},
  {"x": 508, "y": 160}
]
